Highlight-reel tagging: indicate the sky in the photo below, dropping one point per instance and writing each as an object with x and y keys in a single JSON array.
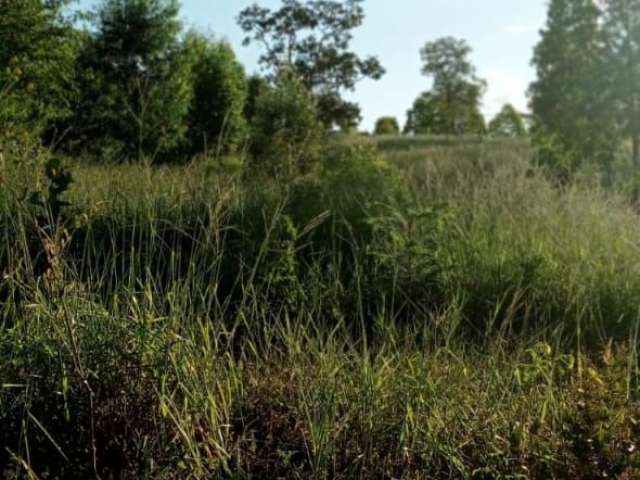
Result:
[{"x": 502, "y": 34}]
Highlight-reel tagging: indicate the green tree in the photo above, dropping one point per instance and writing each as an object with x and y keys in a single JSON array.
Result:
[
  {"x": 573, "y": 119},
  {"x": 431, "y": 114},
  {"x": 142, "y": 73},
  {"x": 387, "y": 126},
  {"x": 216, "y": 116},
  {"x": 452, "y": 106},
  {"x": 37, "y": 54},
  {"x": 622, "y": 31},
  {"x": 256, "y": 86},
  {"x": 286, "y": 132},
  {"x": 507, "y": 123},
  {"x": 312, "y": 38}
]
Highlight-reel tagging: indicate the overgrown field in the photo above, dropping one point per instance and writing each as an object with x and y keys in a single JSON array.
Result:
[{"x": 430, "y": 310}]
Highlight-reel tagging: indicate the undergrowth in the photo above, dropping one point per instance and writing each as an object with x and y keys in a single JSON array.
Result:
[{"x": 439, "y": 311}]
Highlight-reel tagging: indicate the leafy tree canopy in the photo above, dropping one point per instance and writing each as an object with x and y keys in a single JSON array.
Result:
[
  {"x": 507, "y": 123},
  {"x": 37, "y": 54},
  {"x": 313, "y": 37},
  {"x": 622, "y": 57},
  {"x": 143, "y": 72},
  {"x": 452, "y": 106},
  {"x": 568, "y": 99},
  {"x": 216, "y": 115},
  {"x": 387, "y": 126}
]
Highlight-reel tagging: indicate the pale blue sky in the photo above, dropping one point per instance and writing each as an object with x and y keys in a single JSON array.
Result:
[{"x": 502, "y": 34}]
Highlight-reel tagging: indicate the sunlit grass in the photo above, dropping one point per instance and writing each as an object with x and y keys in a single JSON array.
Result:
[{"x": 453, "y": 315}]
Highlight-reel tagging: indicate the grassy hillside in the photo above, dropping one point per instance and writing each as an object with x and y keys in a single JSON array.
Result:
[{"x": 431, "y": 309}]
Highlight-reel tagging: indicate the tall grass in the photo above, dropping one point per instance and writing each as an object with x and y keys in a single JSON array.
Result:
[{"x": 444, "y": 313}]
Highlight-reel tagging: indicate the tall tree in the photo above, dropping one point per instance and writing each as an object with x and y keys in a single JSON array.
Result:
[
  {"x": 143, "y": 74},
  {"x": 570, "y": 111},
  {"x": 37, "y": 53},
  {"x": 622, "y": 31},
  {"x": 313, "y": 39},
  {"x": 452, "y": 106},
  {"x": 216, "y": 115}
]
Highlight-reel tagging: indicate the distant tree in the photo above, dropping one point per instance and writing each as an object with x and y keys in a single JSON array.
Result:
[
  {"x": 142, "y": 75},
  {"x": 286, "y": 132},
  {"x": 37, "y": 54},
  {"x": 387, "y": 126},
  {"x": 431, "y": 114},
  {"x": 622, "y": 33},
  {"x": 452, "y": 106},
  {"x": 216, "y": 115},
  {"x": 312, "y": 38},
  {"x": 573, "y": 119},
  {"x": 507, "y": 123}
]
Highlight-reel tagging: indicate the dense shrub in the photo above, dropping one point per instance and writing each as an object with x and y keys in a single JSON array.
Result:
[
  {"x": 216, "y": 119},
  {"x": 285, "y": 131},
  {"x": 387, "y": 126}
]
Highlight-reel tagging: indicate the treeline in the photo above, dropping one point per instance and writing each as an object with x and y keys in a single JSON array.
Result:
[
  {"x": 128, "y": 82},
  {"x": 584, "y": 103},
  {"x": 452, "y": 105}
]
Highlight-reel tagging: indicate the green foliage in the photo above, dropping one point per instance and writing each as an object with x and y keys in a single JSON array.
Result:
[
  {"x": 143, "y": 90},
  {"x": 387, "y": 126},
  {"x": 507, "y": 123},
  {"x": 361, "y": 321},
  {"x": 622, "y": 59},
  {"x": 452, "y": 106},
  {"x": 312, "y": 38},
  {"x": 356, "y": 181},
  {"x": 256, "y": 86},
  {"x": 567, "y": 99},
  {"x": 286, "y": 132},
  {"x": 216, "y": 116},
  {"x": 37, "y": 54},
  {"x": 432, "y": 115}
]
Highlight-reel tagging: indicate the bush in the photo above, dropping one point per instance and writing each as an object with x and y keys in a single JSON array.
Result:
[
  {"x": 286, "y": 132},
  {"x": 219, "y": 93},
  {"x": 387, "y": 126},
  {"x": 352, "y": 183}
]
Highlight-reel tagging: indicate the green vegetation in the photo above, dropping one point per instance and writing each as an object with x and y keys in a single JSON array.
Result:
[
  {"x": 216, "y": 116},
  {"x": 201, "y": 278},
  {"x": 312, "y": 39},
  {"x": 286, "y": 133},
  {"x": 387, "y": 126},
  {"x": 452, "y": 106},
  {"x": 507, "y": 123},
  {"x": 37, "y": 55},
  {"x": 438, "y": 314}
]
